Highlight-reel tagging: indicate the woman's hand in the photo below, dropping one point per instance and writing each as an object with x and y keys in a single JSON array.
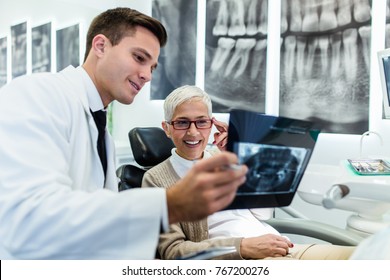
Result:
[
  {"x": 220, "y": 137},
  {"x": 265, "y": 246}
]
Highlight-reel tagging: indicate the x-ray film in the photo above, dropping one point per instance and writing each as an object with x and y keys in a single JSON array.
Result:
[{"x": 276, "y": 151}]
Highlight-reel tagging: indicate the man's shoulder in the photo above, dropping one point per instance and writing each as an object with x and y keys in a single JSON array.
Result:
[{"x": 43, "y": 80}]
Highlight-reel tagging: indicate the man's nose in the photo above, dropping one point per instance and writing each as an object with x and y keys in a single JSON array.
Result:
[{"x": 146, "y": 74}]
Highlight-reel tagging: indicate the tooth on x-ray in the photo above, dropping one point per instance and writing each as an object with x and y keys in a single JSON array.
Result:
[
  {"x": 263, "y": 18},
  {"x": 241, "y": 56},
  {"x": 310, "y": 21},
  {"x": 344, "y": 13},
  {"x": 257, "y": 58},
  {"x": 323, "y": 44},
  {"x": 251, "y": 28},
  {"x": 328, "y": 19},
  {"x": 362, "y": 11},
  {"x": 289, "y": 62},
  {"x": 221, "y": 26},
  {"x": 225, "y": 45},
  {"x": 237, "y": 25},
  {"x": 296, "y": 15},
  {"x": 350, "y": 37},
  {"x": 365, "y": 35}
]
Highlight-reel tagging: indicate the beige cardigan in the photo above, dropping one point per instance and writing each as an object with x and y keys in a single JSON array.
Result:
[{"x": 185, "y": 237}]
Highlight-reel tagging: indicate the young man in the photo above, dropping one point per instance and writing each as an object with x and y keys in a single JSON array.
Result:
[{"x": 58, "y": 200}]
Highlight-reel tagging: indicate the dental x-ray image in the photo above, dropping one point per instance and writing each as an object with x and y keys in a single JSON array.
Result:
[
  {"x": 235, "y": 55},
  {"x": 177, "y": 61},
  {"x": 276, "y": 151},
  {"x": 19, "y": 49},
  {"x": 68, "y": 47},
  {"x": 324, "y": 65},
  {"x": 387, "y": 33},
  {"x": 271, "y": 168},
  {"x": 41, "y": 48}
]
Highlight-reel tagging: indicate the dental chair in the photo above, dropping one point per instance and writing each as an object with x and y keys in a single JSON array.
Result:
[
  {"x": 302, "y": 226},
  {"x": 151, "y": 146},
  {"x": 353, "y": 185},
  {"x": 337, "y": 187}
]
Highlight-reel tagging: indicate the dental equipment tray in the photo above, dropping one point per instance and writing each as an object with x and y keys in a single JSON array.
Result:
[{"x": 370, "y": 166}]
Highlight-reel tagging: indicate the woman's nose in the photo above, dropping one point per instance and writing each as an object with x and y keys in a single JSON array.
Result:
[{"x": 192, "y": 130}]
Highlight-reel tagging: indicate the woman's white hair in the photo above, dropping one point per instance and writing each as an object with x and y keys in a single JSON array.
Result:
[{"x": 183, "y": 94}]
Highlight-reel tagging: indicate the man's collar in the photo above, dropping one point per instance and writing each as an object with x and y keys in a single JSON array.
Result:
[{"x": 94, "y": 100}]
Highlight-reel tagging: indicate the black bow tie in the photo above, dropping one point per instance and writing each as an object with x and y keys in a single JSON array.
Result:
[{"x": 101, "y": 121}]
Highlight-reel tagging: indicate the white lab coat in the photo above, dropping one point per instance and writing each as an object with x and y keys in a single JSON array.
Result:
[{"x": 52, "y": 201}]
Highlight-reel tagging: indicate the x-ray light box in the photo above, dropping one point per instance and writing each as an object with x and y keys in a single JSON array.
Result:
[{"x": 384, "y": 72}]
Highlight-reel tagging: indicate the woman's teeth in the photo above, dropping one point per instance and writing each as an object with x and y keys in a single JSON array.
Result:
[{"x": 192, "y": 142}]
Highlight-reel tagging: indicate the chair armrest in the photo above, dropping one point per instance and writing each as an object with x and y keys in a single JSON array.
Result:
[
  {"x": 310, "y": 228},
  {"x": 130, "y": 176}
]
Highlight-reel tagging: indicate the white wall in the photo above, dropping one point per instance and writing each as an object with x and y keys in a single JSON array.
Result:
[{"x": 331, "y": 148}]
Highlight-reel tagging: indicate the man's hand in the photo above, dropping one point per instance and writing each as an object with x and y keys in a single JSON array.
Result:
[
  {"x": 209, "y": 186},
  {"x": 264, "y": 246},
  {"x": 220, "y": 137}
]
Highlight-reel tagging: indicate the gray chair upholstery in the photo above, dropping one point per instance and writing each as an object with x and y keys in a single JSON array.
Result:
[{"x": 317, "y": 230}]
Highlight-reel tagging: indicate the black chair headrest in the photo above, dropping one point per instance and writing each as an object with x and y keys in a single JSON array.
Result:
[{"x": 150, "y": 145}]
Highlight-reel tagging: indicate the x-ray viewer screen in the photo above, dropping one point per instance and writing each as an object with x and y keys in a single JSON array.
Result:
[
  {"x": 272, "y": 168},
  {"x": 276, "y": 151},
  {"x": 386, "y": 68}
]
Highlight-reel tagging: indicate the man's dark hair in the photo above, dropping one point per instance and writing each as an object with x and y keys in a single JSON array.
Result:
[{"x": 120, "y": 22}]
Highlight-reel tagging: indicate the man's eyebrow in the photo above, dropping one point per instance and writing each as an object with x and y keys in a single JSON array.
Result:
[{"x": 147, "y": 54}]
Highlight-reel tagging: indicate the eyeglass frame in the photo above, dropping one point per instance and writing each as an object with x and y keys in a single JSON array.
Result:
[{"x": 189, "y": 124}]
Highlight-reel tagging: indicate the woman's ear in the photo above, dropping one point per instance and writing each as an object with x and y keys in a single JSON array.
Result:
[{"x": 164, "y": 126}]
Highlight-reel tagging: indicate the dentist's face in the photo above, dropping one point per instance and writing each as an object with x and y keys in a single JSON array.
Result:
[{"x": 125, "y": 68}]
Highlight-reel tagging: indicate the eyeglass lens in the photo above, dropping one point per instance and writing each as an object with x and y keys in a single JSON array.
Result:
[{"x": 184, "y": 124}]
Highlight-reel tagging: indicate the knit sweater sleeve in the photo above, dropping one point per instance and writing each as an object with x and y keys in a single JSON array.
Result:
[
  {"x": 179, "y": 242},
  {"x": 162, "y": 175}
]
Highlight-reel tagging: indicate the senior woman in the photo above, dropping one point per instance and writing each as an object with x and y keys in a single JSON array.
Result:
[{"x": 188, "y": 122}]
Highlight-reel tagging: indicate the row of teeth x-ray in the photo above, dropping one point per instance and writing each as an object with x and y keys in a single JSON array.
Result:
[{"x": 324, "y": 57}]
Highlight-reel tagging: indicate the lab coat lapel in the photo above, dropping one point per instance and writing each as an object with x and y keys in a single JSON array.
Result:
[
  {"x": 111, "y": 178},
  {"x": 80, "y": 92}
]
